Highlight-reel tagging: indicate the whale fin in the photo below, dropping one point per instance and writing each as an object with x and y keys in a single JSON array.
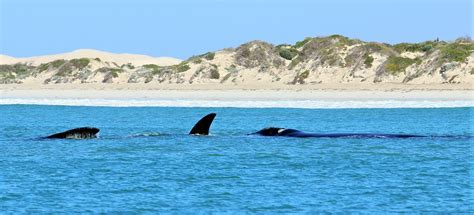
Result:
[
  {"x": 203, "y": 125},
  {"x": 76, "y": 133}
]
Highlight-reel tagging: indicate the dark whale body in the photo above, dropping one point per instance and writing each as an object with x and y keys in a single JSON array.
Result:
[
  {"x": 284, "y": 132},
  {"x": 200, "y": 128},
  {"x": 76, "y": 133}
]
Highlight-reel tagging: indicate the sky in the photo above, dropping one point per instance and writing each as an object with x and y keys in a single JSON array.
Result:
[{"x": 182, "y": 28}]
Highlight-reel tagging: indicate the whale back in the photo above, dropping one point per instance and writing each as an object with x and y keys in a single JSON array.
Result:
[
  {"x": 203, "y": 125},
  {"x": 270, "y": 131},
  {"x": 76, "y": 133}
]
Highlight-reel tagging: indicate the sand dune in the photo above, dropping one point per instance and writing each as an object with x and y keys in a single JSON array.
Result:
[
  {"x": 333, "y": 62},
  {"x": 135, "y": 59},
  {"x": 4, "y": 59}
]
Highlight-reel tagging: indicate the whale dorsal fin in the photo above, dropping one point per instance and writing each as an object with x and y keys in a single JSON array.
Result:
[{"x": 203, "y": 125}]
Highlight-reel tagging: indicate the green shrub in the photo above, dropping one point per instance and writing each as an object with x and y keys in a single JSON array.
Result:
[
  {"x": 245, "y": 53},
  {"x": 415, "y": 47},
  {"x": 128, "y": 65},
  {"x": 288, "y": 53},
  {"x": 4, "y": 68},
  {"x": 215, "y": 73},
  {"x": 396, "y": 64},
  {"x": 295, "y": 62},
  {"x": 18, "y": 70},
  {"x": 456, "y": 52},
  {"x": 197, "y": 60},
  {"x": 64, "y": 70},
  {"x": 116, "y": 70},
  {"x": 300, "y": 44},
  {"x": 210, "y": 55},
  {"x": 379, "y": 47},
  {"x": 427, "y": 48},
  {"x": 182, "y": 67},
  {"x": 53, "y": 64},
  {"x": 350, "y": 59},
  {"x": 43, "y": 67},
  {"x": 155, "y": 69},
  {"x": 80, "y": 63},
  {"x": 329, "y": 56},
  {"x": 114, "y": 74},
  {"x": 304, "y": 74},
  {"x": 97, "y": 59},
  {"x": 368, "y": 60},
  {"x": 21, "y": 69},
  {"x": 407, "y": 47},
  {"x": 57, "y": 63},
  {"x": 342, "y": 40},
  {"x": 151, "y": 66},
  {"x": 299, "y": 79},
  {"x": 6, "y": 72},
  {"x": 374, "y": 47}
]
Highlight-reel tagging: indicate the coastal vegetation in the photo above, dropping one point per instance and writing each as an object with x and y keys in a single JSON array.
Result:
[
  {"x": 300, "y": 44},
  {"x": 295, "y": 62},
  {"x": 209, "y": 56},
  {"x": 458, "y": 51},
  {"x": 287, "y": 52},
  {"x": 182, "y": 67},
  {"x": 331, "y": 59},
  {"x": 368, "y": 60},
  {"x": 155, "y": 69},
  {"x": 415, "y": 47},
  {"x": 299, "y": 79},
  {"x": 215, "y": 73},
  {"x": 397, "y": 64},
  {"x": 10, "y": 73},
  {"x": 197, "y": 60},
  {"x": 80, "y": 63},
  {"x": 51, "y": 65},
  {"x": 128, "y": 66}
]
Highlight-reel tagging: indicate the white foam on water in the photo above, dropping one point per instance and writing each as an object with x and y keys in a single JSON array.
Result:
[{"x": 310, "y": 104}]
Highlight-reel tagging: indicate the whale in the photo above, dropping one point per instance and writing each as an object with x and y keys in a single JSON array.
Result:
[
  {"x": 76, "y": 133},
  {"x": 202, "y": 128},
  {"x": 288, "y": 132}
]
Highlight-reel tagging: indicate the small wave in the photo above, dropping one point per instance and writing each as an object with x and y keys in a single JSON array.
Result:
[
  {"x": 309, "y": 104},
  {"x": 147, "y": 134}
]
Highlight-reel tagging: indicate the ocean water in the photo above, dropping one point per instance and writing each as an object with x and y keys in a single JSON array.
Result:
[{"x": 144, "y": 161}]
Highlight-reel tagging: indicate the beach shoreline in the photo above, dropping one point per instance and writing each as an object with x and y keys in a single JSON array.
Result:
[
  {"x": 247, "y": 87},
  {"x": 206, "y": 96}
]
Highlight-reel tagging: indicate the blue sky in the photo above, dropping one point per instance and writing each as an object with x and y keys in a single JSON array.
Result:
[{"x": 182, "y": 28}]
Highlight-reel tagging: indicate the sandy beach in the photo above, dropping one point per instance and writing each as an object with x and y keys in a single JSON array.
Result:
[{"x": 347, "y": 96}]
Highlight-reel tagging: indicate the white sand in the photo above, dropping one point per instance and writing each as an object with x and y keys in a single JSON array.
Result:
[{"x": 204, "y": 96}]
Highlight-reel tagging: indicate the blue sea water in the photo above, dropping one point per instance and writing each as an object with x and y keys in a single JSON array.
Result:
[{"x": 145, "y": 162}]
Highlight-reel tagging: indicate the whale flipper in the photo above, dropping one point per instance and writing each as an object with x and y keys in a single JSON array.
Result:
[
  {"x": 203, "y": 125},
  {"x": 76, "y": 133}
]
